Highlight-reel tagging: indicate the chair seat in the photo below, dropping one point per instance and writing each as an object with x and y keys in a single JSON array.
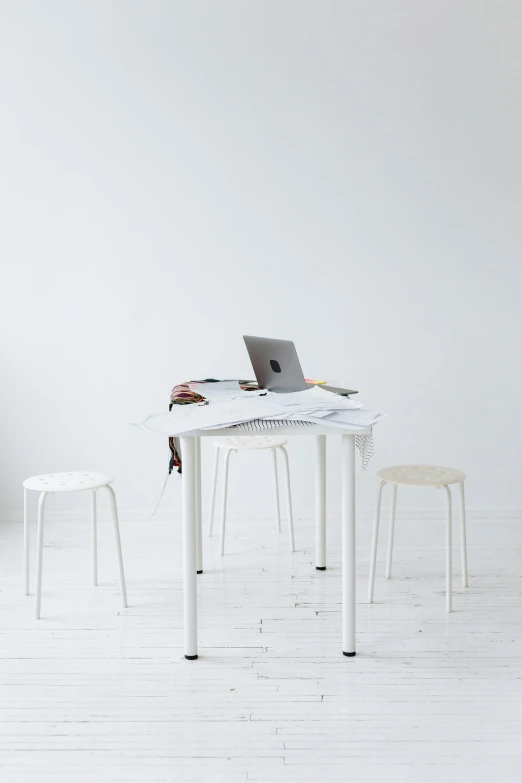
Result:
[
  {"x": 253, "y": 442},
  {"x": 421, "y": 475},
  {"x": 68, "y": 482}
]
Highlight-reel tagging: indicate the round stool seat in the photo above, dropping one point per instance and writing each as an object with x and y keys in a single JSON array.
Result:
[
  {"x": 68, "y": 482},
  {"x": 421, "y": 475},
  {"x": 253, "y": 442}
]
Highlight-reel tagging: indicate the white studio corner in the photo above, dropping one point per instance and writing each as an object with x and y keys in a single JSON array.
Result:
[{"x": 260, "y": 505}]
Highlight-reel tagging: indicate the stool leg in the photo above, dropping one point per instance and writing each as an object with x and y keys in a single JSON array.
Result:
[
  {"x": 391, "y": 533},
  {"x": 224, "y": 502},
  {"x": 375, "y": 541},
  {"x": 27, "y": 552},
  {"x": 463, "y": 542},
  {"x": 39, "y": 553},
  {"x": 114, "y": 511},
  {"x": 94, "y": 538},
  {"x": 276, "y": 492},
  {"x": 288, "y": 500},
  {"x": 213, "y": 492},
  {"x": 448, "y": 551}
]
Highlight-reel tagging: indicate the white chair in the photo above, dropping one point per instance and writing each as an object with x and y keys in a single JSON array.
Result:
[
  {"x": 246, "y": 443},
  {"x": 421, "y": 476},
  {"x": 69, "y": 482}
]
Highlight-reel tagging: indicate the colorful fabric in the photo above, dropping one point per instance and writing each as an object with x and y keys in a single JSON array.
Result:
[{"x": 182, "y": 394}]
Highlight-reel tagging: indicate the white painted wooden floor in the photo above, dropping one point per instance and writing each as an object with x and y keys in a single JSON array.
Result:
[{"x": 92, "y": 693}]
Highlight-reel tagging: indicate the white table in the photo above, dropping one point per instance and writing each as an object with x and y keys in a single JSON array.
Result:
[{"x": 192, "y": 523}]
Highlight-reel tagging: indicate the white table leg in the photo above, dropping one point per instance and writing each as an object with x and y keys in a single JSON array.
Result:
[
  {"x": 320, "y": 503},
  {"x": 348, "y": 543},
  {"x": 190, "y": 585},
  {"x": 199, "y": 519}
]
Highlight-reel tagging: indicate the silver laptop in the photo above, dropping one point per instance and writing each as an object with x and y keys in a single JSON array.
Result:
[{"x": 277, "y": 366}]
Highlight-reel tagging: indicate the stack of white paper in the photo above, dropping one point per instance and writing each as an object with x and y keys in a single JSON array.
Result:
[
  {"x": 228, "y": 405},
  {"x": 310, "y": 402}
]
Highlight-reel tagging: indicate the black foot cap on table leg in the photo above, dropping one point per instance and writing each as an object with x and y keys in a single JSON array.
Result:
[
  {"x": 199, "y": 572},
  {"x": 320, "y": 568},
  {"x": 349, "y": 655},
  {"x": 193, "y": 657}
]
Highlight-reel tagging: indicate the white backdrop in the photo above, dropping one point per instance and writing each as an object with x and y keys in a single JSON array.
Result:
[{"x": 344, "y": 174}]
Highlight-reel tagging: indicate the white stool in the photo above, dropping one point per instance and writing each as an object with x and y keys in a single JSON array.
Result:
[
  {"x": 249, "y": 444},
  {"x": 69, "y": 482},
  {"x": 421, "y": 476}
]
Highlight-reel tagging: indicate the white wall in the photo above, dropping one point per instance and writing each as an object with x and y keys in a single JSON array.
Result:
[{"x": 176, "y": 174}]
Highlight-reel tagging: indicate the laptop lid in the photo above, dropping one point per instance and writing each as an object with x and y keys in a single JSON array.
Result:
[{"x": 276, "y": 364}]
